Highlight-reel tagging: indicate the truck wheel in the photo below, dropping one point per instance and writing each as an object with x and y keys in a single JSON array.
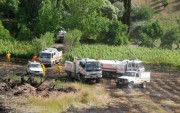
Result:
[
  {"x": 117, "y": 85},
  {"x": 27, "y": 73},
  {"x": 70, "y": 78},
  {"x": 82, "y": 79},
  {"x": 130, "y": 85},
  {"x": 97, "y": 80},
  {"x": 144, "y": 85}
]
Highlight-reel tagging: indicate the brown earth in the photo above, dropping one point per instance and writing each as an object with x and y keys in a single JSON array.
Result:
[{"x": 161, "y": 96}]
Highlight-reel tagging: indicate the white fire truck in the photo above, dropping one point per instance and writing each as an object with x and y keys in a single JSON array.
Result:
[
  {"x": 83, "y": 69},
  {"x": 114, "y": 68},
  {"x": 50, "y": 56}
]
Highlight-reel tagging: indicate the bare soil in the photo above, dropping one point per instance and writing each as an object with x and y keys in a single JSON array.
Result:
[{"x": 162, "y": 94}]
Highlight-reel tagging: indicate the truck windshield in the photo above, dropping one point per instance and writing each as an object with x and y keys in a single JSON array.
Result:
[
  {"x": 93, "y": 66},
  {"x": 140, "y": 65},
  {"x": 35, "y": 65},
  {"x": 45, "y": 55},
  {"x": 130, "y": 74}
]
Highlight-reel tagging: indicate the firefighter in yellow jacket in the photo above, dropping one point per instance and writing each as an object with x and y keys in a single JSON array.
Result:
[
  {"x": 8, "y": 56},
  {"x": 44, "y": 69},
  {"x": 59, "y": 69}
]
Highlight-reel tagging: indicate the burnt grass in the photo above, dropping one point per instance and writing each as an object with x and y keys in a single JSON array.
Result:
[{"x": 164, "y": 86}]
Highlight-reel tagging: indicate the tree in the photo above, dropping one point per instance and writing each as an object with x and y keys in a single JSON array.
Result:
[
  {"x": 171, "y": 38},
  {"x": 127, "y": 13},
  {"x": 83, "y": 15},
  {"x": 49, "y": 17},
  {"x": 8, "y": 8},
  {"x": 4, "y": 33},
  {"x": 150, "y": 33},
  {"x": 116, "y": 34}
]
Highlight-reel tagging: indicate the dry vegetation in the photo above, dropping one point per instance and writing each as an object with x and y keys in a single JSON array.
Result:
[{"x": 45, "y": 99}]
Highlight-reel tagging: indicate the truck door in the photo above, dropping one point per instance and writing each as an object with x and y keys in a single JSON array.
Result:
[{"x": 137, "y": 78}]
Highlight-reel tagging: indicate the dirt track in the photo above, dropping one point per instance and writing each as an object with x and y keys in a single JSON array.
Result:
[{"x": 161, "y": 96}]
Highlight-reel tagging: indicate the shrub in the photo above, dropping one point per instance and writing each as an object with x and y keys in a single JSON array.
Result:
[
  {"x": 165, "y": 3},
  {"x": 170, "y": 38},
  {"x": 150, "y": 33},
  {"x": 72, "y": 38},
  {"x": 43, "y": 42},
  {"x": 141, "y": 13},
  {"x": 4, "y": 33},
  {"x": 24, "y": 33},
  {"x": 116, "y": 35}
]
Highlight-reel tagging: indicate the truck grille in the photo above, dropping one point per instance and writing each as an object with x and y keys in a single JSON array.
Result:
[{"x": 122, "y": 81}]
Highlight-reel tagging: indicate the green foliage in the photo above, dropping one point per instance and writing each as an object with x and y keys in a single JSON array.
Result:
[
  {"x": 24, "y": 33},
  {"x": 141, "y": 13},
  {"x": 16, "y": 48},
  {"x": 92, "y": 26},
  {"x": 120, "y": 10},
  {"x": 8, "y": 8},
  {"x": 4, "y": 33},
  {"x": 116, "y": 35},
  {"x": 147, "y": 55},
  {"x": 43, "y": 42},
  {"x": 165, "y": 3},
  {"x": 150, "y": 33},
  {"x": 112, "y": 11},
  {"x": 49, "y": 17},
  {"x": 72, "y": 38},
  {"x": 171, "y": 38},
  {"x": 82, "y": 15}
]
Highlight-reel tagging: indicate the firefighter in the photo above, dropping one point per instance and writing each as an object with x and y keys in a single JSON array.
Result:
[
  {"x": 8, "y": 56},
  {"x": 44, "y": 69},
  {"x": 75, "y": 58},
  {"x": 59, "y": 69},
  {"x": 35, "y": 58}
]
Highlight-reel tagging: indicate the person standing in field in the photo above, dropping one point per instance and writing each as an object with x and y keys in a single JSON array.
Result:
[
  {"x": 35, "y": 58},
  {"x": 44, "y": 69},
  {"x": 8, "y": 56},
  {"x": 59, "y": 69}
]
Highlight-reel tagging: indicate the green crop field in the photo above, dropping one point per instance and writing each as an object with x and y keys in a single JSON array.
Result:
[{"x": 147, "y": 55}]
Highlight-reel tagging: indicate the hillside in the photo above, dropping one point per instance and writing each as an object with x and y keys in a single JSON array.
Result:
[{"x": 169, "y": 16}]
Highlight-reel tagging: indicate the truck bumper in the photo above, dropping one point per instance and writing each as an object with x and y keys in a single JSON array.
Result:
[{"x": 93, "y": 76}]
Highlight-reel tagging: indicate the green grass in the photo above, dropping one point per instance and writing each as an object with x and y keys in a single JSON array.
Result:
[
  {"x": 147, "y": 55},
  {"x": 26, "y": 49}
]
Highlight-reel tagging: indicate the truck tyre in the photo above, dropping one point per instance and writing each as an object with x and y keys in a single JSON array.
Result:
[
  {"x": 117, "y": 85},
  {"x": 98, "y": 80},
  {"x": 27, "y": 73},
  {"x": 144, "y": 85},
  {"x": 130, "y": 85},
  {"x": 70, "y": 78},
  {"x": 82, "y": 79}
]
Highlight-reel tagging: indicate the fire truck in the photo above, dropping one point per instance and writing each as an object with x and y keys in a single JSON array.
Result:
[
  {"x": 50, "y": 56},
  {"x": 84, "y": 69},
  {"x": 115, "y": 68}
]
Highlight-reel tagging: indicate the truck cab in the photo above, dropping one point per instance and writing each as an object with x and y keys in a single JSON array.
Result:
[
  {"x": 50, "y": 56},
  {"x": 131, "y": 78},
  {"x": 60, "y": 36},
  {"x": 130, "y": 65},
  {"x": 84, "y": 69}
]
